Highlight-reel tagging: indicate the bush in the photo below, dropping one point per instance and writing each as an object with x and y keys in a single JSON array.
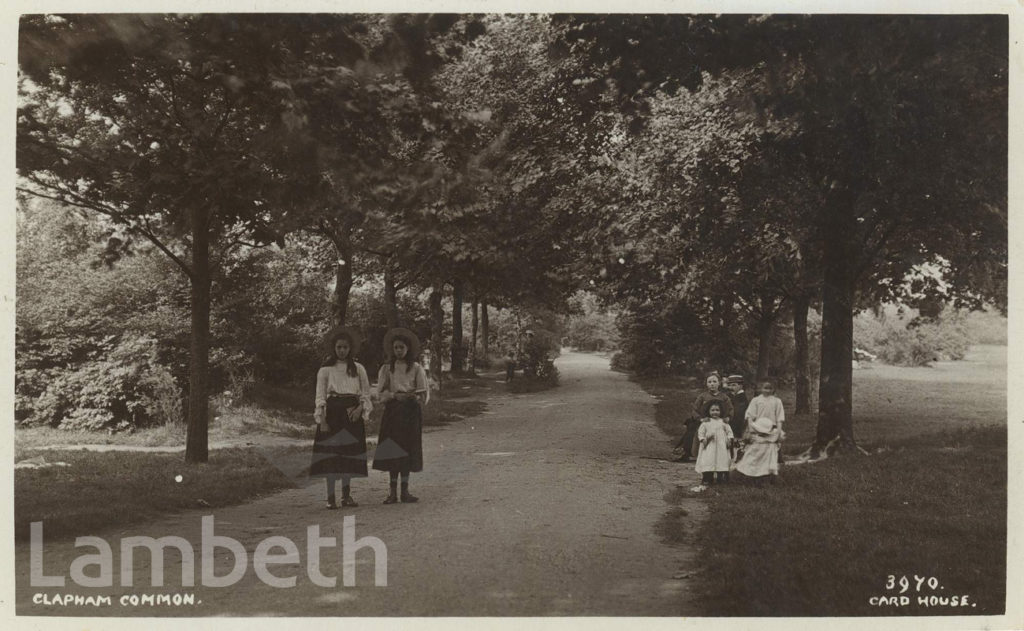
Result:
[
  {"x": 685, "y": 339},
  {"x": 657, "y": 340},
  {"x": 591, "y": 328},
  {"x": 545, "y": 379},
  {"x": 901, "y": 337},
  {"x": 987, "y": 327},
  {"x": 121, "y": 387},
  {"x": 537, "y": 360}
]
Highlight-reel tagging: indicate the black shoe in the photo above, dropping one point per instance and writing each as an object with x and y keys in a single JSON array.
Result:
[
  {"x": 407, "y": 498},
  {"x": 392, "y": 498},
  {"x": 332, "y": 506},
  {"x": 348, "y": 501}
]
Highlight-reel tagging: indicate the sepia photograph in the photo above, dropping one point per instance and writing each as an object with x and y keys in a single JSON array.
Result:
[{"x": 658, "y": 314}]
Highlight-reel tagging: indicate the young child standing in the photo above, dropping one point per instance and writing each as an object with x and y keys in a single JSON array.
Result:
[
  {"x": 714, "y": 457},
  {"x": 737, "y": 421},
  {"x": 700, "y": 409}
]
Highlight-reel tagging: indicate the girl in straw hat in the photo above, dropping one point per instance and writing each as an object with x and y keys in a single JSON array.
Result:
[
  {"x": 402, "y": 387},
  {"x": 342, "y": 407}
]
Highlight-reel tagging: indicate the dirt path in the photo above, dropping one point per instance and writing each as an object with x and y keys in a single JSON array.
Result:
[{"x": 547, "y": 504}]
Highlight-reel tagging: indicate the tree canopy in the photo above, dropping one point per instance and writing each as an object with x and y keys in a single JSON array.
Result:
[{"x": 698, "y": 172}]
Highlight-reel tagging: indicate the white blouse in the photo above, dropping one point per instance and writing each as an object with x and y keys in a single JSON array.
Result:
[
  {"x": 336, "y": 380},
  {"x": 402, "y": 380}
]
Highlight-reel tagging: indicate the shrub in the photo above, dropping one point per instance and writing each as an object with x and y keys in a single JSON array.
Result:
[
  {"x": 121, "y": 386},
  {"x": 545, "y": 379},
  {"x": 656, "y": 340},
  {"x": 684, "y": 339},
  {"x": 986, "y": 327},
  {"x": 591, "y": 328},
  {"x": 163, "y": 397},
  {"x": 903, "y": 338},
  {"x": 537, "y": 360}
]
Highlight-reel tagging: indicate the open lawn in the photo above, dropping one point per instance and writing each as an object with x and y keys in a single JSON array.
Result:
[{"x": 930, "y": 502}]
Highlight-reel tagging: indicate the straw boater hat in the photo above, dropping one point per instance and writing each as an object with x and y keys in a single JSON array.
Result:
[
  {"x": 734, "y": 379},
  {"x": 354, "y": 337},
  {"x": 414, "y": 342},
  {"x": 763, "y": 425}
]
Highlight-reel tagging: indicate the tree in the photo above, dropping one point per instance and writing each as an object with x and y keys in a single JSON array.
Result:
[
  {"x": 196, "y": 133},
  {"x": 471, "y": 218},
  {"x": 877, "y": 104},
  {"x": 905, "y": 182}
]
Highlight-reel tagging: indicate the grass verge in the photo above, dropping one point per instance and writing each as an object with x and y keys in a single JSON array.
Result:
[
  {"x": 930, "y": 502},
  {"x": 31, "y": 438},
  {"x": 826, "y": 537},
  {"x": 100, "y": 489}
]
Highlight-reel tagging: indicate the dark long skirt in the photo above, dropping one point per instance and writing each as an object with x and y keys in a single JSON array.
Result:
[
  {"x": 689, "y": 440},
  {"x": 400, "y": 443},
  {"x": 341, "y": 448}
]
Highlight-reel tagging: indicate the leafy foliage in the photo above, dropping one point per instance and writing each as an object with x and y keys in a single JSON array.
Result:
[
  {"x": 592, "y": 328},
  {"x": 868, "y": 114},
  {"x": 907, "y": 339},
  {"x": 122, "y": 386}
]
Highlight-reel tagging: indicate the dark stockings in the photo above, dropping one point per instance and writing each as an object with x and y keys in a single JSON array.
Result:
[
  {"x": 393, "y": 488},
  {"x": 346, "y": 487}
]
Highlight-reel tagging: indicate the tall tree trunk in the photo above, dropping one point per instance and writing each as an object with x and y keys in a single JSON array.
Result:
[
  {"x": 342, "y": 289},
  {"x": 457, "y": 355},
  {"x": 343, "y": 273},
  {"x": 390, "y": 298},
  {"x": 473, "y": 331},
  {"x": 485, "y": 331},
  {"x": 835, "y": 387},
  {"x": 197, "y": 433},
  {"x": 801, "y": 304},
  {"x": 765, "y": 333},
  {"x": 436, "y": 331}
]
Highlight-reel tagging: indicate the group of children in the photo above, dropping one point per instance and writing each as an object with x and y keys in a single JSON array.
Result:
[{"x": 728, "y": 432}]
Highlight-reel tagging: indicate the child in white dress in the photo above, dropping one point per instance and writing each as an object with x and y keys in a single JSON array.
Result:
[
  {"x": 767, "y": 405},
  {"x": 714, "y": 457},
  {"x": 761, "y": 455}
]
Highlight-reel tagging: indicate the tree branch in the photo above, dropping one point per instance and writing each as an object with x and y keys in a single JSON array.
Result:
[
  {"x": 874, "y": 251},
  {"x": 223, "y": 121},
  {"x": 113, "y": 213}
]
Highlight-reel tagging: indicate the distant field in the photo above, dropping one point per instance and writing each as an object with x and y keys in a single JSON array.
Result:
[{"x": 891, "y": 403}]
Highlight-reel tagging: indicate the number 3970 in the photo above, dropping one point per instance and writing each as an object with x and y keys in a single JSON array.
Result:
[{"x": 904, "y": 583}]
